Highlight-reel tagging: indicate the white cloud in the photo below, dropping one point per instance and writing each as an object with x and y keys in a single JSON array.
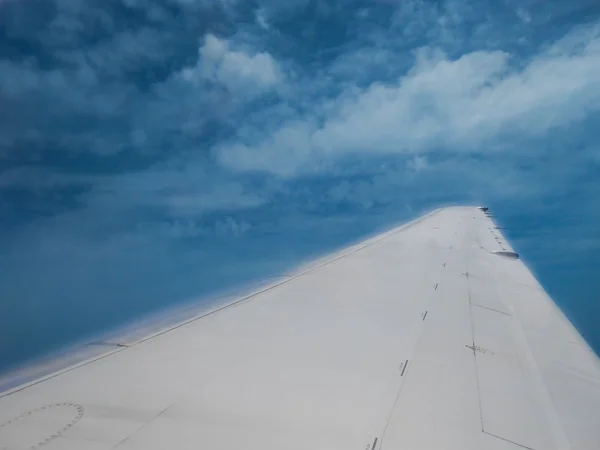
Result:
[
  {"x": 523, "y": 15},
  {"x": 417, "y": 164},
  {"x": 360, "y": 193},
  {"x": 227, "y": 227},
  {"x": 221, "y": 197},
  {"x": 282, "y": 151},
  {"x": 232, "y": 227},
  {"x": 454, "y": 105},
  {"x": 241, "y": 72},
  {"x": 187, "y": 193},
  {"x": 262, "y": 19},
  {"x": 36, "y": 179}
]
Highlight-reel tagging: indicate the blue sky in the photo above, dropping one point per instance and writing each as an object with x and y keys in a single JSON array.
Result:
[{"x": 153, "y": 151}]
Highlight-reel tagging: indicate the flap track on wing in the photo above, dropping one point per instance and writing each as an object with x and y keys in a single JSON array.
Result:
[{"x": 507, "y": 254}]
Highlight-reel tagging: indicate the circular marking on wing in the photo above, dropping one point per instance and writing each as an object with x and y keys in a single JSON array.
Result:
[{"x": 39, "y": 426}]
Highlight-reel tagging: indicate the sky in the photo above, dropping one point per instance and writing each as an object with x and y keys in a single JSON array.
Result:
[{"x": 153, "y": 152}]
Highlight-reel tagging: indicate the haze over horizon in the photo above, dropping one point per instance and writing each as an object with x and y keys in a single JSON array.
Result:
[{"x": 155, "y": 151}]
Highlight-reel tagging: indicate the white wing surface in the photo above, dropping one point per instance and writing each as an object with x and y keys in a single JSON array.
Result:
[{"x": 431, "y": 336}]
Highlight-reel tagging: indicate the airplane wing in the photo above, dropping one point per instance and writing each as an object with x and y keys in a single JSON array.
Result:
[{"x": 433, "y": 335}]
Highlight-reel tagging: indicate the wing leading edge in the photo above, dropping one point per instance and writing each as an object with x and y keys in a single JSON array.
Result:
[{"x": 431, "y": 336}]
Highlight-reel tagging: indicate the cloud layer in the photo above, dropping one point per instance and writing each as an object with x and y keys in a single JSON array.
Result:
[
  {"x": 154, "y": 150},
  {"x": 440, "y": 105}
]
